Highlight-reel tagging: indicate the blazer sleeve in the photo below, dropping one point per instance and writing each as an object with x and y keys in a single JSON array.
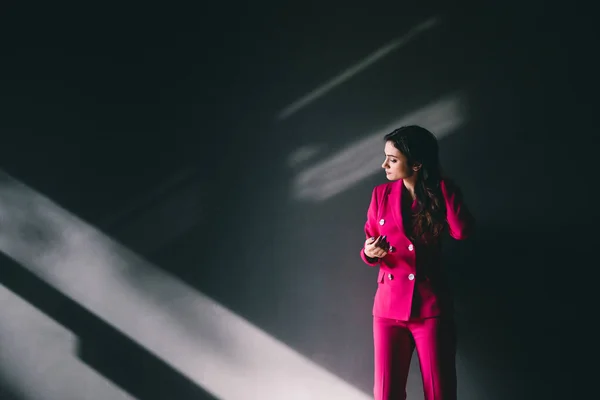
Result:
[
  {"x": 460, "y": 220},
  {"x": 371, "y": 228}
]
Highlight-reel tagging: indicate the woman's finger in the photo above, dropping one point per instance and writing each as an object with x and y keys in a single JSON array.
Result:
[
  {"x": 384, "y": 244},
  {"x": 380, "y": 252}
]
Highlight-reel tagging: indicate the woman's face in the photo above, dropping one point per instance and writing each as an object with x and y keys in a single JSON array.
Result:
[{"x": 395, "y": 164}]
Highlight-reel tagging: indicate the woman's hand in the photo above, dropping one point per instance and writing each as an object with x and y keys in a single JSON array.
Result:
[{"x": 376, "y": 247}]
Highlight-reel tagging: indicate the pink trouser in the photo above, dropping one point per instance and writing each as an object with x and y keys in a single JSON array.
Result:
[{"x": 394, "y": 342}]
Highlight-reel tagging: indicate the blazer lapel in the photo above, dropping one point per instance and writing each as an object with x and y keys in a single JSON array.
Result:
[{"x": 395, "y": 202}]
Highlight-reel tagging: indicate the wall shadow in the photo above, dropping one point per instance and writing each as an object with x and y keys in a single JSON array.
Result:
[
  {"x": 101, "y": 346},
  {"x": 519, "y": 292},
  {"x": 7, "y": 393}
]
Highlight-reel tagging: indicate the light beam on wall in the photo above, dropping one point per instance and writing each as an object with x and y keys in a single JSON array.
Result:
[
  {"x": 356, "y": 68},
  {"x": 38, "y": 361},
  {"x": 203, "y": 340},
  {"x": 363, "y": 159}
]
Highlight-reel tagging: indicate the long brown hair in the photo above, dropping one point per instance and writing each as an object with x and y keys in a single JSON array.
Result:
[{"x": 420, "y": 147}]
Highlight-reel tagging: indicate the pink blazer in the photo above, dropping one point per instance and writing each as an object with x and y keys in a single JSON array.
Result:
[{"x": 411, "y": 281}]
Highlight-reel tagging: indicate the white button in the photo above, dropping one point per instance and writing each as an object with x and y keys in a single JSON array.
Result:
[
  {"x": 381, "y": 221},
  {"x": 411, "y": 247},
  {"x": 390, "y": 277},
  {"x": 411, "y": 277}
]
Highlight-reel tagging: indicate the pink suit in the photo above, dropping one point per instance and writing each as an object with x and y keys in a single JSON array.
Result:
[{"x": 413, "y": 306}]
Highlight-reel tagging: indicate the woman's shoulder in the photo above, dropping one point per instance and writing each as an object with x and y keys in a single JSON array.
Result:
[
  {"x": 449, "y": 185},
  {"x": 381, "y": 188}
]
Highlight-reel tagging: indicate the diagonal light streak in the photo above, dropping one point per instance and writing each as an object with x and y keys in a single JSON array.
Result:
[
  {"x": 203, "y": 340},
  {"x": 356, "y": 68},
  {"x": 38, "y": 359},
  {"x": 363, "y": 158}
]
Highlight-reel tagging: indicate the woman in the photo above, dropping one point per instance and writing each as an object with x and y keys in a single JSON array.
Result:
[{"x": 413, "y": 306}]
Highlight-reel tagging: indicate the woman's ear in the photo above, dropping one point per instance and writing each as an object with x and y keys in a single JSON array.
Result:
[{"x": 417, "y": 166}]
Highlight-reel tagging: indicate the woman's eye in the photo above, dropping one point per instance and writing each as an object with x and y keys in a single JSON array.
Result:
[{"x": 393, "y": 161}]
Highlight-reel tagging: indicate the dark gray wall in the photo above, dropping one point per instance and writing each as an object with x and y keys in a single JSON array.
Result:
[{"x": 101, "y": 107}]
